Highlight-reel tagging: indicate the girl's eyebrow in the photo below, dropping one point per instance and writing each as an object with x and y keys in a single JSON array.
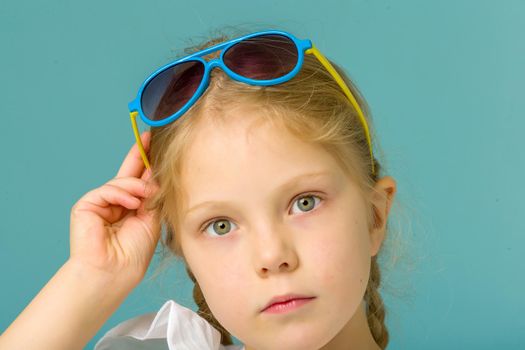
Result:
[{"x": 292, "y": 182}]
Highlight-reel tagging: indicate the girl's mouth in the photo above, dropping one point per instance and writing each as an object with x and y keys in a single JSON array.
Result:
[{"x": 287, "y": 306}]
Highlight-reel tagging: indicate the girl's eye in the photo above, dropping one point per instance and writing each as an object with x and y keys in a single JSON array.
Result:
[
  {"x": 306, "y": 203},
  {"x": 222, "y": 227}
]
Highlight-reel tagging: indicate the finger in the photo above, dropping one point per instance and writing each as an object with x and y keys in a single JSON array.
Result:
[
  {"x": 151, "y": 184},
  {"x": 109, "y": 194},
  {"x": 146, "y": 174},
  {"x": 108, "y": 202},
  {"x": 134, "y": 186},
  {"x": 133, "y": 165},
  {"x": 131, "y": 199},
  {"x": 112, "y": 213}
]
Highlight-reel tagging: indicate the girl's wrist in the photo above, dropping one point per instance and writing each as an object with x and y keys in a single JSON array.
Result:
[
  {"x": 98, "y": 295},
  {"x": 119, "y": 285}
]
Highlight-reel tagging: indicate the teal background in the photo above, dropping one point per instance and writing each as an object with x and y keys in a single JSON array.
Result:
[{"x": 444, "y": 80}]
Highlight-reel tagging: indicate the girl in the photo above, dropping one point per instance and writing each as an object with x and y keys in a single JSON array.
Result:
[{"x": 269, "y": 192}]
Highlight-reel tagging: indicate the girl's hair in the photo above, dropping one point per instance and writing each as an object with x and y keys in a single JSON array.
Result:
[{"x": 312, "y": 107}]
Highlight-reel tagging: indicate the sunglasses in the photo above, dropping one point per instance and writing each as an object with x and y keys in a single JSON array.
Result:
[{"x": 263, "y": 58}]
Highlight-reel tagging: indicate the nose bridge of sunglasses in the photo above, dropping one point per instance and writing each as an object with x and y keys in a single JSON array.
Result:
[{"x": 216, "y": 62}]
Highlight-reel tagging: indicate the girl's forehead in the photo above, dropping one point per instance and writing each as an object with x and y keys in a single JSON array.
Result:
[
  {"x": 250, "y": 142},
  {"x": 245, "y": 122}
]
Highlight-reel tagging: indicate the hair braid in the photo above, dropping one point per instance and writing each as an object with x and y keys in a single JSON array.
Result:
[{"x": 375, "y": 306}]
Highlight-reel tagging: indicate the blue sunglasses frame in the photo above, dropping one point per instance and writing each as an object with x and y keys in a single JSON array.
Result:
[{"x": 303, "y": 47}]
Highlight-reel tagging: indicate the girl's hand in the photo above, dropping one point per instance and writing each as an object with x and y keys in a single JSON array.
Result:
[{"x": 110, "y": 231}]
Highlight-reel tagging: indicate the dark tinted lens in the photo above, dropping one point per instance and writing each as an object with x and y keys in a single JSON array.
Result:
[
  {"x": 170, "y": 90},
  {"x": 263, "y": 57}
]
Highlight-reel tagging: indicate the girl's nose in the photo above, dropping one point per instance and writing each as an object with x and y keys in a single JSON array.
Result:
[{"x": 273, "y": 251}]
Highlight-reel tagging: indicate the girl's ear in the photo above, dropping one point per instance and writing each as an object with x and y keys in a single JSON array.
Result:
[{"x": 382, "y": 198}]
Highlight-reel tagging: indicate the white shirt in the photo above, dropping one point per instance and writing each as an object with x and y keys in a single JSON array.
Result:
[{"x": 173, "y": 327}]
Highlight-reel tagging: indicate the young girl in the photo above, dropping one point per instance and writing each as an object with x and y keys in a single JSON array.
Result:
[{"x": 266, "y": 182}]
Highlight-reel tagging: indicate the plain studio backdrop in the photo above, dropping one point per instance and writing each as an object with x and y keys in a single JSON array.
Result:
[{"x": 445, "y": 83}]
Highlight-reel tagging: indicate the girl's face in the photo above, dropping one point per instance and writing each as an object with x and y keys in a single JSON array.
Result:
[{"x": 269, "y": 215}]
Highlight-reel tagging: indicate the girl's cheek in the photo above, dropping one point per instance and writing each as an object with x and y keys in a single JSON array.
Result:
[{"x": 333, "y": 270}]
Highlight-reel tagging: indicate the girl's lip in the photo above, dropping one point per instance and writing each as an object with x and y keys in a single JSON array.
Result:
[
  {"x": 285, "y": 298},
  {"x": 288, "y": 306}
]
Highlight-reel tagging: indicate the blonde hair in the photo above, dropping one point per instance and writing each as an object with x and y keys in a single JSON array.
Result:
[{"x": 312, "y": 107}]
